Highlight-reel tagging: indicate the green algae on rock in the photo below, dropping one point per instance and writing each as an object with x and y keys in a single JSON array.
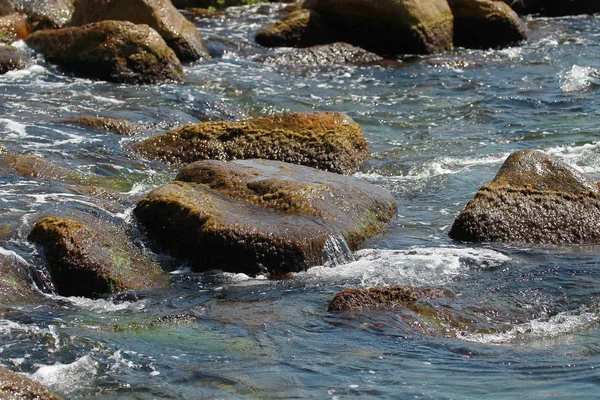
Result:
[
  {"x": 15, "y": 386},
  {"x": 534, "y": 198},
  {"x": 260, "y": 216},
  {"x": 115, "y": 51},
  {"x": 328, "y": 141},
  {"x": 93, "y": 258}
]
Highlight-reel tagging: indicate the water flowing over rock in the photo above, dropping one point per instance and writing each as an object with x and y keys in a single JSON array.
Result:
[
  {"x": 14, "y": 386},
  {"x": 326, "y": 55},
  {"x": 179, "y": 33},
  {"x": 483, "y": 24},
  {"x": 327, "y": 141},
  {"x": 534, "y": 198},
  {"x": 384, "y": 297},
  {"x": 261, "y": 217},
  {"x": 13, "y": 27},
  {"x": 115, "y": 51},
  {"x": 16, "y": 283},
  {"x": 93, "y": 257},
  {"x": 390, "y": 26},
  {"x": 10, "y": 59}
]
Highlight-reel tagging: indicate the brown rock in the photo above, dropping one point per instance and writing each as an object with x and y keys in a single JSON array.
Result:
[
  {"x": 384, "y": 297},
  {"x": 11, "y": 59},
  {"x": 328, "y": 141},
  {"x": 259, "y": 216},
  {"x": 14, "y": 386},
  {"x": 483, "y": 24},
  {"x": 115, "y": 51},
  {"x": 534, "y": 198},
  {"x": 326, "y": 55},
  {"x": 46, "y": 14},
  {"x": 16, "y": 283},
  {"x": 179, "y": 33},
  {"x": 6, "y": 7},
  {"x": 105, "y": 124},
  {"x": 13, "y": 27}
]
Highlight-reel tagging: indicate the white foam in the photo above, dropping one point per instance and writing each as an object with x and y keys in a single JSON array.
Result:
[
  {"x": 585, "y": 158},
  {"x": 67, "y": 378},
  {"x": 578, "y": 78},
  {"x": 415, "y": 266},
  {"x": 29, "y": 72},
  {"x": 103, "y": 306},
  {"x": 16, "y": 129}
]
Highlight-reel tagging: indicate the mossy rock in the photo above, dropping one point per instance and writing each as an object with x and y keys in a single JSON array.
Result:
[
  {"x": 325, "y": 55},
  {"x": 328, "y": 141},
  {"x": 262, "y": 217},
  {"x": 383, "y": 297},
  {"x": 15, "y": 386},
  {"x": 390, "y": 26},
  {"x": 16, "y": 283},
  {"x": 110, "y": 125},
  {"x": 114, "y": 51},
  {"x": 534, "y": 198},
  {"x": 93, "y": 258},
  {"x": 180, "y": 34},
  {"x": 483, "y": 24}
]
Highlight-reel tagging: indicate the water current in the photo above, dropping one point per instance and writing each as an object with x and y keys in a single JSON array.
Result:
[{"x": 523, "y": 321}]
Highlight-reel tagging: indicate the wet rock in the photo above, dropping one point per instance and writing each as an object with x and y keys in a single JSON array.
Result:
[
  {"x": 328, "y": 141},
  {"x": 262, "y": 217},
  {"x": 14, "y": 386},
  {"x": 483, "y": 24},
  {"x": 534, "y": 198},
  {"x": 93, "y": 257},
  {"x": 3, "y": 149},
  {"x": 300, "y": 28},
  {"x": 179, "y": 33},
  {"x": 16, "y": 283},
  {"x": 13, "y": 27},
  {"x": 6, "y": 7},
  {"x": 45, "y": 14},
  {"x": 35, "y": 167},
  {"x": 11, "y": 59},
  {"x": 105, "y": 124},
  {"x": 383, "y": 297},
  {"x": 115, "y": 51},
  {"x": 326, "y": 55},
  {"x": 390, "y": 26},
  {"x": 219, "y": 4},
  {"x": 205, "y": 13}
]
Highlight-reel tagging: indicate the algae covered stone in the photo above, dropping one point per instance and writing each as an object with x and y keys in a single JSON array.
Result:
[
  {"x": 114, "y": 51},
  {"x": 327, "y": 141},
  {"x": 534, "y": 198},
  {"x": 383, "y": 297},
  {"x": 93, "y": 258},
  {"x": 15, "y": 386},
  {"x": 260, "y": 216},
  {"x": 107, "y": 124}
]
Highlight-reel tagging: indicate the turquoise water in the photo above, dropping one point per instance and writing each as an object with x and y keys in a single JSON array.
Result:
[{"x": 523, "y": 321}]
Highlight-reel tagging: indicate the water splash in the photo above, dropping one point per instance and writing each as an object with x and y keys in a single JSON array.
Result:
[
  {"x": 578, "y": 79},
  {"x": 337, "y": 251}
]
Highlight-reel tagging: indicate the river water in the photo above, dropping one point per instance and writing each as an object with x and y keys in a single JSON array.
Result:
[{"x": 523, "y": 321}]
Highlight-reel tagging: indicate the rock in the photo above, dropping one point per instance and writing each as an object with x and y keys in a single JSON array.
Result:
[
  {"x": 483, "y": 24},
  {"x": 260, "y": 216},
  {"x": 45, "y": 14},
  {"x": 326, "y": 55},
  {"x": 14, "y": 386},
  {"x": 6, "y": 7},
  {"x": 523, "y": 7},
  {"x": 36, "y": 167},
  {"x": 205, "y": 13},
  {"x": 105, "y": 124},
  {"x": 115, "y": 51},
  {"x": 219, "y": 4},
  {"x": 383, "y": 297},
  {"x": 11, "y": 59},
  {"x": 557, "y": 8},
  {"x": 534, "y": 198},
  {"x": 13, "y": 27},
  {"x": 93, "y": 257},
  {"x": 16, "y": 284},
  {"x": 179, "y": 33},
  {"x": 300, "y": 28},
  {"x": 390, "y": 26},
  {"x": 328, "y": 141},
  {"x": 3, "y": 149}
]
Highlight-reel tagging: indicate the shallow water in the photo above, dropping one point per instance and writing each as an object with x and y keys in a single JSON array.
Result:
[{"x": 523, "y": 321}]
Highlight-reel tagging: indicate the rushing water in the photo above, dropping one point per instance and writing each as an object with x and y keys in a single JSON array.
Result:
[{"x": 524, "y": 320}]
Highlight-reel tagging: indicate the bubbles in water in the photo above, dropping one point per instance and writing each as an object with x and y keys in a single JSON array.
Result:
[
  {"x": 67, "y": 378},
  {"x": 578, "y": 78}
]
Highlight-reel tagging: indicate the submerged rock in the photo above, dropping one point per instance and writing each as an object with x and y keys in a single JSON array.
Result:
[
  {"x": 383, "y": 297},
  {"x": 179, "y": 33},
  {"x": 106, "y": 124},
  {"x": 327, "y": 141},
  {"x": 36, "y": 167},
  {"x": 16, "y": 284},
  {"x": 483, "y": 24},
  {"x": 390, "y": 26},
  {"x": 326, "y": 55},
  {"x": 14, "y": 386},
  {"x": 11, "y": 59},
  {"x": 93, "y": 258},
  {"x": 259, "y": 216},
  {"x": 115, "y": 51},
  {"x": 534, "y": 198},
  {"x": 13, "y": 27}
]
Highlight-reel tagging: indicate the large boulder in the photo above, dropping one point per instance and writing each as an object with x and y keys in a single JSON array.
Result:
[
  {"x": 15, "y": 386},
  {"x": 46, "y": 14},
  {"x": 383, "y": 297},
  {"x": 179, "y": 33},
  {"x": 262, "y": 217},
  {"x": 13, "y": 27},
  {"x": 390, "y": 26},
  {"x": 483, "y": 24},
  {"x": 534, "y": 198},
  {"x": 16, "y": 283},
  {"x": 10, "y": 59},
  {"x": 327, "y": 141},
  {"x": 325, "y": 55},
  {"x": 115, "y": 51},
  {"x": 93, "y": 257}
]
